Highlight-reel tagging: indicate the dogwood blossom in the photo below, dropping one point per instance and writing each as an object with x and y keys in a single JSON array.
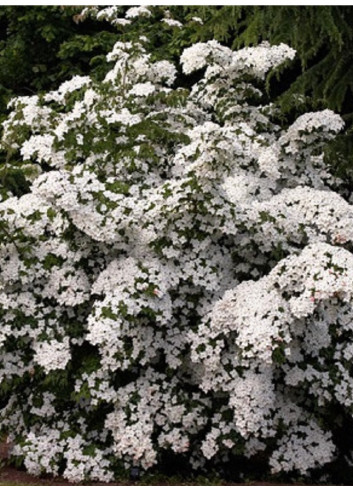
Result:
[{"x": 179, "y": 276}]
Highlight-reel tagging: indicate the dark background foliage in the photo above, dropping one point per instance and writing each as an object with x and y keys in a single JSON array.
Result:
[{"x": 40, "y": 47}]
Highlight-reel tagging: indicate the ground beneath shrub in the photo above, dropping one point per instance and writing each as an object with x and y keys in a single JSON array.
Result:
[{"x": 10, "y": 476}]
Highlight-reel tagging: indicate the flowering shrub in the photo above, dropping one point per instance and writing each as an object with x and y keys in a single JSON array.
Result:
[{"x": 179, "y": 278}]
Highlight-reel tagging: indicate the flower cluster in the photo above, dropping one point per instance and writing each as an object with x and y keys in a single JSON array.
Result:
[{"x": 179, "y": 276}]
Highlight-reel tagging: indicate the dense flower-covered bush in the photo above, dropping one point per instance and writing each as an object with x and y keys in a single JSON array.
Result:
[{"x": 179, "y": 278}]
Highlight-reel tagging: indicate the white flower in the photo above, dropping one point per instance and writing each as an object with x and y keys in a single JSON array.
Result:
[
  {"x": 137, "y": 12},
  {"x": 52, "y": 354},
  {"x": 142, "y": 89},
  {"x": 172, "y": 22}
]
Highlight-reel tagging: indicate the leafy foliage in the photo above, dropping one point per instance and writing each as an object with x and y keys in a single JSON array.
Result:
[
  {"x": 320, "y": 77},
  {"x": 323, "y": 73},
  {"x": 41, "y": 46}
]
